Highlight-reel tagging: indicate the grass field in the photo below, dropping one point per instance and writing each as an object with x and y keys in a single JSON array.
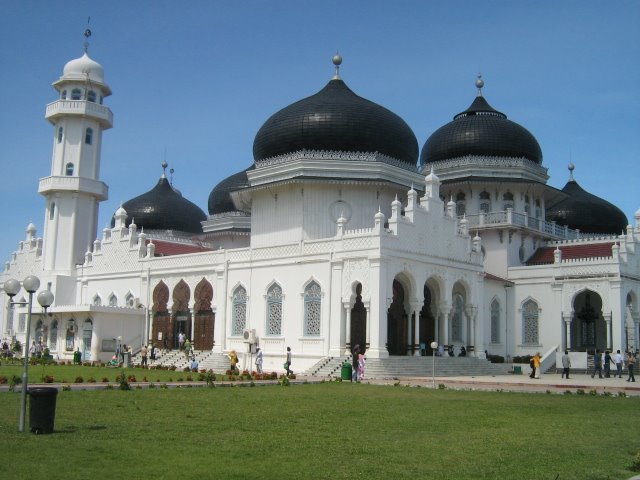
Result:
[{"x": 328, "y": 430}]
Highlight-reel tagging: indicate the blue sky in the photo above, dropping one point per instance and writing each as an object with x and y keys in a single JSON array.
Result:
[{"x": 193, "y": 82}]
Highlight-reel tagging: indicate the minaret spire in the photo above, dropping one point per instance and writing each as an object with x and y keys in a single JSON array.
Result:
[
  {"x": 337, "y": 61},
  {"x": 87, "y": 34}
]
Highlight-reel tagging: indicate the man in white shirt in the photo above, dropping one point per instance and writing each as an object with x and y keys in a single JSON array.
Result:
[{"x": 617, "y": 359}]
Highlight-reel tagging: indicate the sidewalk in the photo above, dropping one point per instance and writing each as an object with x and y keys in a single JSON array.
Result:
[{"x": 522, "y": 383}]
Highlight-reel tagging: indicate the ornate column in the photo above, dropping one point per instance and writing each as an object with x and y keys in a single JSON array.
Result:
[
  {"x": 607, "y": 319},
  {"x": 347, "y": 336},
  {"x": 367, "y": 307},
  {"x": 446, "y": 316},
  {"x": 567, "y": 317},
  {"x": 415, "y": 307}
]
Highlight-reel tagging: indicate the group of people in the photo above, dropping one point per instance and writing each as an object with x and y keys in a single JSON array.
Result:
[
  {"x": 233, "y": 361},
  {"x": 600, "y": 362}
]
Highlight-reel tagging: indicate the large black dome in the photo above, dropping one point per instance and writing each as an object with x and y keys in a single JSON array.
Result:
[
  {"x": 481, "y": 130},
  {"x": 336, "y": 119},
  {"x": 585, "y": 212},
  {"x": 162, "y": 208},
  {"x": 220, "y": 197}
]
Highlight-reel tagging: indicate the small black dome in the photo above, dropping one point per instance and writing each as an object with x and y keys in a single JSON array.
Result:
[
  {"x": 163, "y": 208},
  {"x": 336, "y": 119},
  {"x": 220, "y": 197},
  {"x": 480, "y": 130},
  {"x": 585, "y": 212}
]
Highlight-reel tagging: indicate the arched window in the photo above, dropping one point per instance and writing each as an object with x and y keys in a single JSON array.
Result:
[
  {"x": 538, "y": 209},
  {"x": 274, "y": 310},
  {"x": 91, "y": 96},
  {"x": 461, "y": 207},
  {"x": 530, "y": 323},
  {"x": 129, "y": 300},
  {"x": 485, "y": 202},
  {"x": 60, "y": 131},
  {"x": 97, "y": 301},
  {"x": 527, "y": 205},
  {"x": 76, "y": 94},
  {"x": 53, "y": 336},
  {"x": 495, "y": 321},
  {"x": 68, "y": 171},
  {"x": 113, "y": 300},
  {"x": 239, "y": 313},
  {"x": 507, "y": 200},
  {"x": 457, "y": 320},
  {"x": 312, "y": 304},
  {"x": 52, "y": 210},
  {"x": 63, "y": 95},
  {"x": 101, "y": 99},
  {"x": 88, "y": 136}
]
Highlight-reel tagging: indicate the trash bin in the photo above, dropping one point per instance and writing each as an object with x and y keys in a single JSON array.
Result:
[
  {"x": 345, "y": 371},
  {"x": 517, "y": 369},
  {"x": 42, "y": 409}
]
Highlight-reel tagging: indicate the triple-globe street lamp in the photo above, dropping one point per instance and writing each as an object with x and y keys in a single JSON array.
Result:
[{"x": 45, "y": 299}]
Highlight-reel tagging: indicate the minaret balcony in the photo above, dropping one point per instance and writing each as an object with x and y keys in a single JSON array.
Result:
[
  {"x": 95, "y": 188},
  {"x": 514, "y": 220},
  {"x": 84, "y": 108}
]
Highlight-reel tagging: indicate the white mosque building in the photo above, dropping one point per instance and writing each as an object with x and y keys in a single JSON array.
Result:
[{"x": 337, "y": 233}]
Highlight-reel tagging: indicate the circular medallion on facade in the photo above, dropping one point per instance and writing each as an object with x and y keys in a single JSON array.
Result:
[{"x": 340, "y": 209}]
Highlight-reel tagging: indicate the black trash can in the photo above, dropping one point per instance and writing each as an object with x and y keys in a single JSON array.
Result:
[{"x": 42, "y": 409}]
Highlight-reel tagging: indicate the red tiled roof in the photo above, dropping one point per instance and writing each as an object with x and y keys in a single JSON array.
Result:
[
  {"x": 544, "y": 255},
  {"x": 165, "y": 249},
  {"x": 490, "y": 276}
]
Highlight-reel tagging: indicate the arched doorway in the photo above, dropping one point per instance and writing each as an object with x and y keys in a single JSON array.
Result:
[
  {"x": 358, "y": 333},
  {"x": 588, "y": 329},
  {"x": 162, "y": 333},
  {"x": 180, "y": 312},
  {"x": 204, "y": 320},
  {"x": 427, "y": 320},
  {"x": 397, "y": 322}
]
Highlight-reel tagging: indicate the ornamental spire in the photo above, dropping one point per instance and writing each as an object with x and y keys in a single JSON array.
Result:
[{"x": 337, "y": 61}]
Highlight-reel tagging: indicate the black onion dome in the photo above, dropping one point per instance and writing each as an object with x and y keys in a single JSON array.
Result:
[
  {"x": 163, "y": 208},
  {"x": 481, "y": 130},
  {"x": 220, "y": 197},
  {"x": 336, "y": 119},
  {"x": 585, "y": 212}
]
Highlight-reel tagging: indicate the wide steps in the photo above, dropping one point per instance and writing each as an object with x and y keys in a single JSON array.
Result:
[{"x": 394, "y": 367}]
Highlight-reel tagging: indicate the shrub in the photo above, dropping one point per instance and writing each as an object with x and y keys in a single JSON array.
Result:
[
  {"x": 441, "y": 386},
  {"x": 66, "y": 388},
  {"x": 132, "y": 378},
  {"x": 79, "y": 379},
  {"x": 622, "y": 394},
  {"x": 635, "y": 463},
  {"x": 284, "y": 381},
  {"x": 580, "y": 391},
  {"x": 48, "y": 379},
  {"x": 3, "y": 379},
  {"x": 189, "y": 378},
  {"x": 105, "y": 380},
  {"x": 122, "y": 380},
  {"x": 91, "y": 380},
  {"x": 593, "y": 392},
  {"x": 568, "y": 392}
]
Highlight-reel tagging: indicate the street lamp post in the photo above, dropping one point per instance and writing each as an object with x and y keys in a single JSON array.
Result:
[
  {"x": 45, "y": 299},
  {"x": 434, "y": 347}
]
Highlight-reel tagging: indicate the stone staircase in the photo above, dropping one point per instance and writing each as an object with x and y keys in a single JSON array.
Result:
[
  {"x": 395, "y": 367},
  {"x": 207, "y": 360}
]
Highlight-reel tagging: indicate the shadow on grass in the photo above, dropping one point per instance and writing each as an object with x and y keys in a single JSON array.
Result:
[{"x": 74, "y": 429}]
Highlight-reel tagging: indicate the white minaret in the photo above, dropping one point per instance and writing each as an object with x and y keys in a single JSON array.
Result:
[{"x": 74, "y": 190}]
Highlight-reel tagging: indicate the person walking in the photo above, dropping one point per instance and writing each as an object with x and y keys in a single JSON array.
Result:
[
  {"x": 597, "y": 364},
  {"x": 361, "y": 364},
  {"x": 187, "y": 348},
  {"x": 258, "y": 360},
  {"x": 535, "y": 369},
  {"x": 287, "y": 364},
  {"x": 354, "y": 362},
  {"x": 631, "y": 363},
  {"x": 618, "y": 361},
  {"x": 233, "y": 359},
  {"x": 566, "y": 364},
  {"x": 181, "y": 338},
  {"x": 144, "y": 353},
  {"x": 607, "y": 364}
]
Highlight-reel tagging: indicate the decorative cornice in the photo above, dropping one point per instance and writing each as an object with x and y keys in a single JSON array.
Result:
[{"x": 335, "y": 155}]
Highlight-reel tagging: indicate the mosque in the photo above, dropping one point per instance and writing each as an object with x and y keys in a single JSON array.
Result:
[{"x": 341, "y": 232}]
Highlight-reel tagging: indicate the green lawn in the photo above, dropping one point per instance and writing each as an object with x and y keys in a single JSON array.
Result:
[{"x": 329, "y": 430}]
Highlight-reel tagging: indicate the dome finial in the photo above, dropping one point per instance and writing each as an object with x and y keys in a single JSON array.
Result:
[
  {"x": 164, "y": 166},
  {"x": 337, "y": 61},
  {"x": 87, "y": 34},
  {"x": 479, "y": 84},
  {"x": 571, "y": 168}
]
